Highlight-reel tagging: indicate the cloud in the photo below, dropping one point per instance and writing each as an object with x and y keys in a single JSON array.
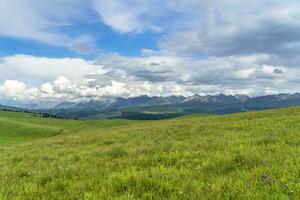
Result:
[
  {"x": 114, "y": 75},
  {"x": 63, "y": 89},
  {"x": 124, "y": 16},
  {"x": 42, "y": 21},
  {"x": 201, "y": 28},
  {"x": 13, "y": 88},
  {"x": 211, "y": 28},
  {"x": 76, "y": 79},
  {"x": 249, "y": 47},
  {"x": 38, "y": 69},
  {"x": 226, "y": 28},
  {"x": 278, "y": 71},
  {"x": 136, "y": 16},
  {"x": 249, "y": 74},
  {"x": 84, "y": 44},
  {"x": 187, "y": 70}
]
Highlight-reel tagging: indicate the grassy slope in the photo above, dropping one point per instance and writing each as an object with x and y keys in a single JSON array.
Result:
[
  {"x": 242, "y": 156},
  {"x": 17, "y": 126}
]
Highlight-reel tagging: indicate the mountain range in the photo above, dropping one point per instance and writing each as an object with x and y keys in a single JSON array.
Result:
[{"x": 145, "y": 107}]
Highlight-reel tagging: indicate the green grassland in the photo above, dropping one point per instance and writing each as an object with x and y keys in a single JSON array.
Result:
[
  {"x": 242, "y": 156},
  {"x": 17, "y": 126}
]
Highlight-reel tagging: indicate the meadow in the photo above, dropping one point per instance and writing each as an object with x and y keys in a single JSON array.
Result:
[{"x": 252, "y": 155}]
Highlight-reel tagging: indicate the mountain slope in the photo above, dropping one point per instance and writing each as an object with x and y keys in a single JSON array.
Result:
[
  {"x": 241, "y": 156},
  {"x": 273, "y": 101},
  {"x": 143, "y": 101}
]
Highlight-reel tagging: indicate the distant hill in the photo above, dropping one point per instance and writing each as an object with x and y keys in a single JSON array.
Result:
[
  {"x": 21, "y": 126},
  {"x": 30, "y": 104},
  {"x": 273, "y": 101}
]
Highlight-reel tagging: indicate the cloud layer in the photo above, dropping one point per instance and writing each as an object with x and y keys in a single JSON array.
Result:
[
  {"x": 113, "y": 75},
  {"x": 233, "y": 46}
]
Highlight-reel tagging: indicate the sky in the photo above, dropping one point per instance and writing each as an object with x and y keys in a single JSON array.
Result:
[{"x": 93, "y": 49}]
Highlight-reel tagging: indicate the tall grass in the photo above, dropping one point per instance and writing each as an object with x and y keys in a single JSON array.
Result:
[{"x": 242, "y": 156}]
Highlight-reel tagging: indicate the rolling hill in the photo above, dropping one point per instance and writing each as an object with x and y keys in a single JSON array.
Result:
[
  {"x": 20, "y": 126},
  {"x": 251, "y": 155}
]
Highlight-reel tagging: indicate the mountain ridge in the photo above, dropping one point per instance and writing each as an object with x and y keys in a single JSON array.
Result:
[
  {"x": 157, "y": 107},
  {"x": 144, "y": 100}
]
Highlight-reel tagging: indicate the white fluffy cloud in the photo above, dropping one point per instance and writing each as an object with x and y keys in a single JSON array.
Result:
[
  {"x": 13, "y": 88},
  {"x": 113, "y": 75},
  {"x": 28, "y": 77},
  {"x": 38, "y": 69},
  {"x": 63, "y": 89}
]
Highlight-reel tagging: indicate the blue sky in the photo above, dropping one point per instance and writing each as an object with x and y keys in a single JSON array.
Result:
[
  {"x": 106, "y": 40},
  {"x": 77, "y": 50}
]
